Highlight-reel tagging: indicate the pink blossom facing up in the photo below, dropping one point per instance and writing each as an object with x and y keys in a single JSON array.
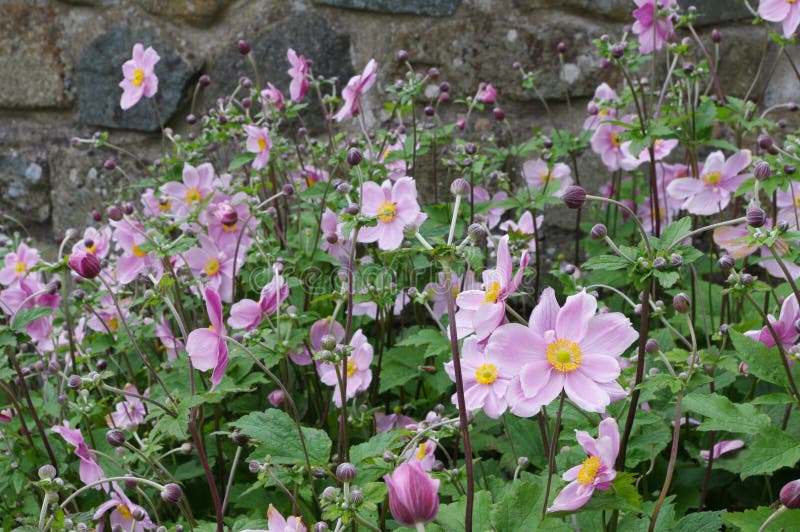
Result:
[
  {"x": 28, "y": 293},
  {"x": 653, "y": 30},
  {"x": 355, "y": 90},
  {"x": 248, "y": 314},
  {"x": 394, "y": 205},
  {"x": 140, "y": 77},
  {"x": 260, "y": 143},
  {"x": 129, "y": 237},
  {"x": 487, "y": 94},
  {"x": 723, "y": 447},
  {"x": 571, "y": 348},
  {"x": 197, "y": 184},
  {"x": 272, "y": 96},
  {"x": 206, "y": 347},
  {"x": 413, "y": 494},
  {"x": 713, "y": 191},
  {"x": 425, "y": 454},
  {"x": 483, "y": 311},
  {"x": 357, "y": 368},
  {"x": 786, "y": 12},
  {"x": 539, "y": 176},
  {"x": 276, "y": 398},
  {"x": 128, "y": 413},
  {"x": 122, "y": 513},
  {"x": 212, "y": 266},
  {"x": 485, "y": 379},
  {"x": 17, "y": 264},
  {"x": 89, "y": 470},
  {"x": 298, "y": 72},
  {"x": 595, "y": 473}
]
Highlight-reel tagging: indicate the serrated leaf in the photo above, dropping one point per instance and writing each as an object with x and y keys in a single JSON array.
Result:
[
  {"x": 666, "y": 279},
  {"x": 28, "y": 315},
  {"x": 762, "y": 361},
  {"x": 725, "y": 415},
  {"x": 368, "y": 456},
  {"x": 701, "y": 522},
  {"x": 241, "y": 160},
  {"x": 451, "y": 516},
  {"x": 772, "y": 450},
  {"x": 675, "y": 232},
  {"x": 279, "y": 439},
  {"x": 751, "y": 520},
  {"x": 606, "y": 262}
]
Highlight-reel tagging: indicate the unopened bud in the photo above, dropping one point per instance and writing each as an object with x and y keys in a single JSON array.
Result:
[
  {"x": 651, "y": 346},
  {"x": 459, "y": 187},
  {"x": 346, "y": 472},
  {"x": 171, "y": 493},
  {"x": 598, "y": 232},
  {"x": 762, "y": 170},
  {"x": 726, "y": 262},
  {"x": 790, "y": 495},
  {"x": 681, "y": 303},
  {"x": 574, "y": 197},
  {"x": 115, "y": 438},
  {"x": 354, "y": 156},
  {"x": 756, "y": 217}
]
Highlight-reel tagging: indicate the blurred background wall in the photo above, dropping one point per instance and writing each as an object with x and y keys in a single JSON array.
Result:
[{"x": 60, "y": 65}]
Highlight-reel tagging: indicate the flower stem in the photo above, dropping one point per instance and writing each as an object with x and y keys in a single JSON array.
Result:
[{"x": 551, "y": 455}]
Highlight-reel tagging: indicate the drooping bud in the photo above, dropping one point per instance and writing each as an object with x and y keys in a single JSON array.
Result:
[
  {"x": 477, "y": 232},
  {"x": 790, "y": 495},
  {"x": 240, "y": 439},
  {"x": 138, "y": 514},
  {"x": 115, "y": 438},
  {"x": 85, "y": 264},
  {"x": 172, "y": 493},
  {"x": 651, "y": 346},
  {"x": 244, "y": 47},
  {"x": 598, "y": 232},
  {"x": 681, "y": 303},
  {"x": 764, "y": 141},
  {"x": 726, "y": 262}
]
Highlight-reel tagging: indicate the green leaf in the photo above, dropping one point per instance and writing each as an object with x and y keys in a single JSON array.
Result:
[
  {"x": 675, "y": 232},
  {"x": 701, "y": 522},
  {"x": 279, "y": 439},
  {"x": 241, "y": 160},
  {"x": 27, "y": 315},
  {"x": 7, "y": 338},
  {"x": 772, "y": 450},
  {"x": 622, "y": 496},
  {"x": 607, "y": 262},
  {"x": 368, "y": 456},
  {"x": 725, "y": 415},
  {"x": 520, "y": 508},
  {"x": 666, "y": 279},
  {"x": 762, "y": 361},
  {"x": 400, "y": 366},
  {"x": 451, "y": 516},
  {"x": 751, "y": 520}
]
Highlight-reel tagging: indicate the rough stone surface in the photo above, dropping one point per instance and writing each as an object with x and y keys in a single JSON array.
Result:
[
  {"x": 718, "y": 11},
  {"x": 435, "y": 8},
  {"x": 25, "y": 185},
  {"x": 100, "y": 71},
  {"x": 469, "y": 50},
  {"x": 612, "y": 9},
  {"x": 740, "y": 53},
  {"x": 30, "y": 59},
  {"x": 195, "y": 12},
  {"x": 313, "y": 36}
]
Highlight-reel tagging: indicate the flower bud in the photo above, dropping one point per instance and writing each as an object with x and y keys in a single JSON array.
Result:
[
  {"x": 574, "y": 196},
  {"x": 276, "y": 398},
  {"x": 756, "y": 217},
  {"x": 344, "y": 188},
  {"x": 790, "y": 495},
  {"x": 746, "y": 279},
  {"x": 762, "y": 170},
  {"x": 715, "y": 36},
  {"x": 676, "y": 260},
  {"x": 138, "y": 514},
  {"x": 744, "y": 369},
  {"x": 598, "y": 232},
  {"x": 523, "y": 462},
  {"x": 660, "y": 263},
  {"x": 47, "y": 472},
  {"x": 115, "y": 438},
  {"x": 75, "y": 382},
  {"x": 413, "y": 494},
  {"x": 110, "y": 164},
  {"x": 253, "y": 466},
  {"x": 329, "y": 494},
  {"x": 204, "y": 80},
  {"x": 617, "y": 51},
  {"x": 499, "y": 114},
  {"x": 114, "y": 213},
  {"x": 561, "y": 47},
  {"x": 782, "y": 227},
  {"x": 789, "y": 169},
  {"x": 402, "y": 56},
  {"x": 459, "y": 187},
  {"x": 356, "y": 496},
  {"x": 651, "y": 346},
  {"x": 244, "y": 47},
  {"x": 172, "y": 493},
  {"x": 187, "y": 448},
  {"x": 240, "y": 439},
  {"x": 346, "y": 472},
  {"x": 477, "y": 232},
  {"x": 85, "y": 264},
  {"x": 726, "y": 262},
  {"x": 681, "y": 303},
  {"x": 354, "y": 156},
  {"x": 321, "y": 526},
  {"x": 764, "y": 141}
]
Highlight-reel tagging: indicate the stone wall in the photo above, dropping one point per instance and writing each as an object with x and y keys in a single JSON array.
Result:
[{"x": 60, "y": 65}]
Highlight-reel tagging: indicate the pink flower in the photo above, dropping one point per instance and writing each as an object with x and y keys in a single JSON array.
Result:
[
  {"x": 539, "y": 175},
  {"x": 300, "y": 67},
  {"x": 212, "y": 265},
  {"x": 17, "y": 264},
  {"x": 6, "y": 415},
  {"x": 487, "y": 94},
  {"x": 570, "y": 348},
  {"x": 425, "y": 454},
  {"x": 359, "y": 375},
  {"x": 122, "y": 515},
  {"x": 606, "y": 143},
  {"x": 29, "y": 293},
  {"x": 260, "y": 143},
  {"x": 784, "y": 11},
  {"x": 277, "y": 523},
  {"x": 661, "y": 149},
  {"x": 485, "y": 379},
  {"x": 732, "y": 238},
  {"x": 248, "y": 314},
  {"x": 226, "y": 218},
  {"x": 271, "y": 95},
  {"x": 90, "y": 470},
  {"x": 206, "y": 347},
  {"x": 308, "y": 176},
  {"x": 723, "y": 447},
  {"x": 784, "y": 326},
  {"x": 653, "y": 31},
  {"x": 386, "y": 423},
  {"x": 524, "y": 231},
  {"x": 718, "y": 181},
  {"x": 128, "y": 413},
  {"x": 171, "y": 344},
  {"x": 598, "y": 107},
  {"x": 140, "y": 77},
  {"x": 495, "y": 212},
  {"x": 438, "y": 293},
  {"x": 394, "y": 206},
  {"x": 276, "y": 398},
  {"x": 413, "y": 494},
  {"x": 84, "y": 264},
  {"x": 198, "y": 183},
  {"x": 99, "y": 242},
  {"x": 106, "y": 317},
  {"x": 129, "y": 236},
  {"x": 333, "y": 240},
  {"x": 482, "y": 311},
  {"x": 355, "y": 89},
  {"x": 397, "y": 167},
  {"x": 596, "y": 472}
]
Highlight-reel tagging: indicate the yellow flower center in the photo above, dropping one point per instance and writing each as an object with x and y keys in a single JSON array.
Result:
[
  {"x": 603, "y": 112},
  {"x": 230, "y": 228},
  {"x": 615, "y": 141},
  {"x": 387, "y": 211},
  {"x": 797, "y": 200},
  {"x": 138, "y": 251},
  {"x": 486, "y": 374},
  {"x": 351, "y": 367},
  {"x": 544, "y": 177},
  {"x": 138, "y": 77},
  {"x": 212, "y": 267},
  {"x": 20, "y": 267},
  {"x": 211, "y": 327},
  {"x": 492, "y": 293},
  {"x": 712, "y": 178},
  {"x": 192, "y": 195},
  {"x": 588, "y": 471},
  {"x": 791, "y": 1},
  {"x": 92, "y": 248},
  {"x": 564, "y": 355},
  {"x": 113, "y": 323},
  {"x": 262, "y": 144},
  {"x": 167, "y": 205},
  {"x": 421, "y": 450}
]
